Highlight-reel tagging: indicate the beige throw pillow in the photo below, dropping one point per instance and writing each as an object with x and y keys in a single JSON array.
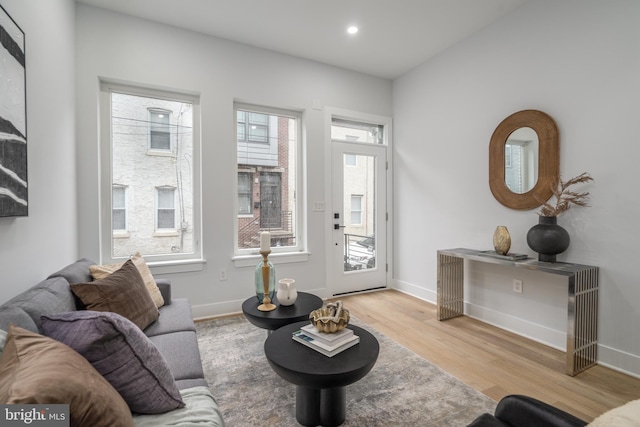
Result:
[{"x": 102, "y": 271}]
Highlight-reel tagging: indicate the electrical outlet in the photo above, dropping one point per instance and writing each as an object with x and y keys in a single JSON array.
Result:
[
  {"x": 222, "y": 275},
  {"x": 517, "y": 286}
]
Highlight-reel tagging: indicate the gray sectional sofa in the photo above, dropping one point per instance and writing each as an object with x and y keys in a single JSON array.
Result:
[{"x": 173, "y": 334}]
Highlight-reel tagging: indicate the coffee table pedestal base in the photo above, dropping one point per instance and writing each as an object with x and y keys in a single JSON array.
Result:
[{"x": 326, "y": 407}]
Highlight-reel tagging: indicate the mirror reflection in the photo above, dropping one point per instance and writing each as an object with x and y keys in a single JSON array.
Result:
[{"x": 521, "y": 160}]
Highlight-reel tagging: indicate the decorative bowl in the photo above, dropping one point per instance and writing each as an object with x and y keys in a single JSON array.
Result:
[{"x": 330, "y": 318}]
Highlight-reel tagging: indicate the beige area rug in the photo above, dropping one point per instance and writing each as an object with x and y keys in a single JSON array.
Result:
[{"x": 402, "y": 389}]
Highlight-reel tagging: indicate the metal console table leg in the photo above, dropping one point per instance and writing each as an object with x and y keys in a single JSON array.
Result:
[{"x": 450, "y": 286}]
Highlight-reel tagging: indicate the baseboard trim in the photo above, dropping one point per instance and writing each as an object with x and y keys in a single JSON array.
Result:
[
  {"x": 542, "y": 334},
  {"x": 619, "y": 360},
  {"x": 415, "y": 291},
  {"x": 229, "y": 308}
]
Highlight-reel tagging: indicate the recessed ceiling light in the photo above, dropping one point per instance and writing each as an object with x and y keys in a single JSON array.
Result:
[{"x": 352, "y": 29}]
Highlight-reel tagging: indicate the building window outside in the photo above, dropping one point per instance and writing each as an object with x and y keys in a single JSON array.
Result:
[
  {"x": 166, "y": 208},
  {"x": 244, "y": 193},
  {"x": 131, "y": 126},
  {"x": 356, "y": 210},
  {"x": 253, "y": 127},
  {"x": 119, "y": 208},
  {"x": 268, "y": 145},
  {"x": 350, "y": 160},
  {"x": 159, "y": 130}
]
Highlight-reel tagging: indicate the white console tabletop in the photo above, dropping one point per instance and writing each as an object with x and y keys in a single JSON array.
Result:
[{"x": 582, "y": 298}]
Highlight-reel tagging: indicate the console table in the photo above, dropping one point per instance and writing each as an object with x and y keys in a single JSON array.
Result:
[{"x": 582, "y": 298}]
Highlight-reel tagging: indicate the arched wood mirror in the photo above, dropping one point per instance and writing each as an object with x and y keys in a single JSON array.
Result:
[{"x": 524, "y": 159}]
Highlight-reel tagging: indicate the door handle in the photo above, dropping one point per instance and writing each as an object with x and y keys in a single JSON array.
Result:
[{"x": 338, "y": 226}]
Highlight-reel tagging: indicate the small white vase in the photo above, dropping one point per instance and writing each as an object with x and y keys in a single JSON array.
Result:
[{"x": 287, "y": 293}]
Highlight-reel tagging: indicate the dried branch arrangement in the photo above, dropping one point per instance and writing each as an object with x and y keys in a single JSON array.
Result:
[{"x": 565, "y": 198}]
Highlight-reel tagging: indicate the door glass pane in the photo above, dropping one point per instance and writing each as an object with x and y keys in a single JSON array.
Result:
[
  {"x": 345, "y": 130},
  {"x": 359, "y": 213}
]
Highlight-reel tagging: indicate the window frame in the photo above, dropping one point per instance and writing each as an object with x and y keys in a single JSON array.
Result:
[
  {"x": 242, "y": 256},
  {"x": 174, "y": 262}
]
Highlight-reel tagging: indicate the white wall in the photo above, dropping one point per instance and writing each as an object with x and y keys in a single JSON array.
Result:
[
  {"x": 579, "y": 62},
  {"x": 117, "y": 47},
  {"x": 33, "y": 247}
]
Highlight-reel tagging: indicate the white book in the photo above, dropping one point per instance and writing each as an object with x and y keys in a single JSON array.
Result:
[
  {"x": 309, "y": 342},
  {"x": 325, "y": 337}
]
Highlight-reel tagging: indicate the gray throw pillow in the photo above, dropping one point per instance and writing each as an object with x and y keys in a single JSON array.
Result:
[{"x": 122, "y": 353}]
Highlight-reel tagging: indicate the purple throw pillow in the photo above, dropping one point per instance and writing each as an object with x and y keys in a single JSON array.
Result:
[{"x": 122, "y": 353}]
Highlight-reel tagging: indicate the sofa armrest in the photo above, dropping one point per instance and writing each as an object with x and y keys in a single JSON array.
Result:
[
  {"x": 524, "y": 411},
  {"x": 165, "y": 289}
]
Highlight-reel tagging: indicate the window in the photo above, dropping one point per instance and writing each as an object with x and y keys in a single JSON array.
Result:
[
  {"x": 166, "y": 208},
  {"x": 244, "y": 193},
  {"x": 159, "y": 134},
  {"x": 253, "y": 126},
  {"x": 356, "y": 210},
  {"x": 151, "y": 196},
  {"x": 350, "y": 131},
  {"x": 350, "y": 160},
  {"x": 268, "y": 145},
  {"x": 119, "y": 208}
]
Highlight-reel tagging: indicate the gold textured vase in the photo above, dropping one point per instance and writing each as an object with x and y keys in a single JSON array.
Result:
[{"x": 501, "y": 240}]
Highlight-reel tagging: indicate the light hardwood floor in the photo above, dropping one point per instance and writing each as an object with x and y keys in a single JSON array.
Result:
[{"x": 489, "y": 359}]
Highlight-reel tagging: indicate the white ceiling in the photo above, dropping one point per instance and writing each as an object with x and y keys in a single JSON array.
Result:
[{"x": 394, "y": 37}]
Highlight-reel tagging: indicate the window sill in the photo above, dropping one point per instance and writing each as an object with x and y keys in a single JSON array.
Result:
[
  {"x": 168, "y": 233},
  {"x": 277, "y": 258},
  {"x": 177, "y": 266},
  {"x": 160, "y": 153}
]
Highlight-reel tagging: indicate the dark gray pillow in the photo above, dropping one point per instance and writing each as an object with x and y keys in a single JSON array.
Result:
[
  {"x": 122, "y": 353},
  {"x": 122, "y": 292}
]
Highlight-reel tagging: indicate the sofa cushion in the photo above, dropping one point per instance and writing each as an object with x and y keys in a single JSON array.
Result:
[
  {"x": 35, "y": 369},
  {"x": 180, "y": 350},
  {"x": 122, "y": 354},
  {"x": 78, "y": 272},
  {"x": 47, "y": 297},
  {"x": 173, "y": 318},
  {"x": 122, "y": 292},
  {"x": 14, "y": 315},
  {"x": 102, "y": 271}
]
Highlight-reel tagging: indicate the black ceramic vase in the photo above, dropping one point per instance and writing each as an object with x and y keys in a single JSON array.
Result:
[{"x": 547, "y": 238}]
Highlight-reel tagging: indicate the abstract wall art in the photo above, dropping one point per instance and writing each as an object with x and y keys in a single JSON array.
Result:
[{"x": 13, "y": 119}]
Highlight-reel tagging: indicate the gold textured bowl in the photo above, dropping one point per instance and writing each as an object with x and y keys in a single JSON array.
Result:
[{"x": 330, "y": 319}]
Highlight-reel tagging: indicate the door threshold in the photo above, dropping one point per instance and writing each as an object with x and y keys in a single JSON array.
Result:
[{"x": 379, "y": 288}]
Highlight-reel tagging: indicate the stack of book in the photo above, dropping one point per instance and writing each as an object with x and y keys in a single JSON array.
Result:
[{"x": 322, "y": 342}]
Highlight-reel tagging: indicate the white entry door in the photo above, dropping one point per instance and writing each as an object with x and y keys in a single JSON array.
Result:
[{"x": 359, "y": 216}]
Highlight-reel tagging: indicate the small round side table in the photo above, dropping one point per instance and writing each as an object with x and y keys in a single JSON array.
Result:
[{"x": 283, "y": 314}]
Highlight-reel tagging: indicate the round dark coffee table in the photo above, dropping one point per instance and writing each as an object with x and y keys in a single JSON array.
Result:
[
  {"x": 320, "y": 380},
  {"x": 283, "y": 314}
]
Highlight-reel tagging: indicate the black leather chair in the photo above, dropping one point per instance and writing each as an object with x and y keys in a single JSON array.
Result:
[{"x": 523, "y": 411}]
